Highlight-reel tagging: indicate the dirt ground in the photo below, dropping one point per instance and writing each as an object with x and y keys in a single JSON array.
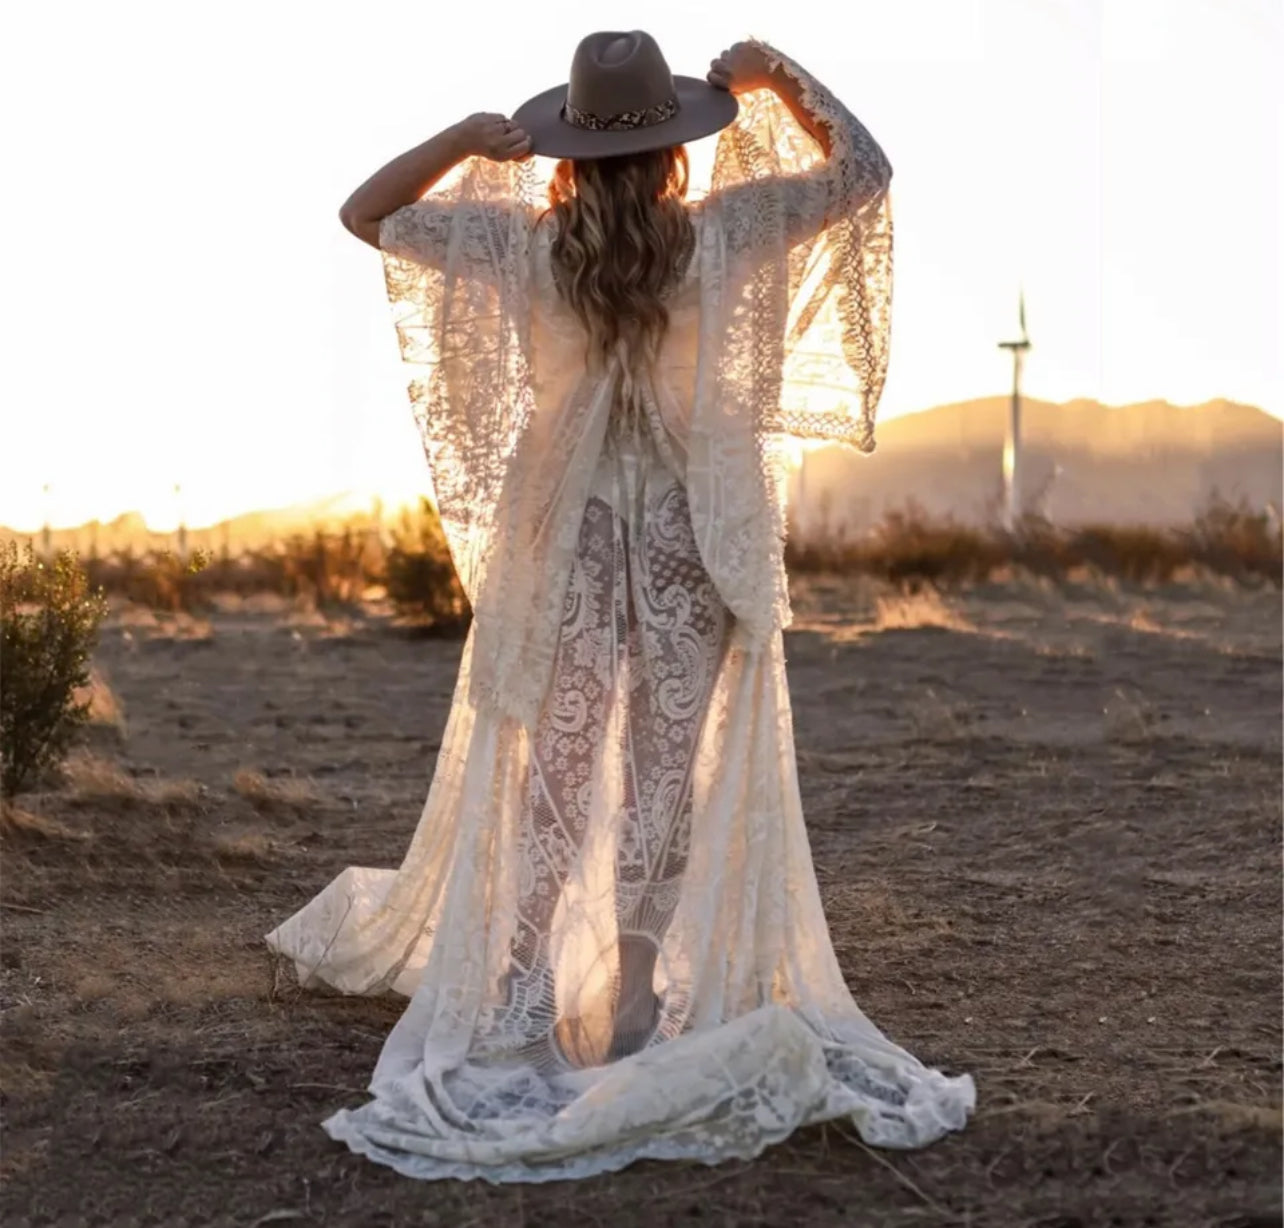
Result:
[{"x": 1046, "y": 821}]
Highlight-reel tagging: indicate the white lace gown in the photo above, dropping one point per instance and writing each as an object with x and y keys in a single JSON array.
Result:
[{"x": 607, "y": 921}]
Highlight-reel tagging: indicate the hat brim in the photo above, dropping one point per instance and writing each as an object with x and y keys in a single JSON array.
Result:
[{"x": 702, "y": 110}]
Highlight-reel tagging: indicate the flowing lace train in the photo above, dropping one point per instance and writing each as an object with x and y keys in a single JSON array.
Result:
[{"x": 611, "y": 930}]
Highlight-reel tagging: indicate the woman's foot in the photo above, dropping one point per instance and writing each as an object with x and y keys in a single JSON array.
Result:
[
  {"x": 634, "y": 1028},
  {"x": 530, "y": 1007},
  {"x": 638, "y": 1006}
]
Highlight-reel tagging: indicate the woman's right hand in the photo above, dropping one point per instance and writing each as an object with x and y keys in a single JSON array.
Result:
[
  {"x": 741, "y": 68},
  {"x": 496, "y": 137}
]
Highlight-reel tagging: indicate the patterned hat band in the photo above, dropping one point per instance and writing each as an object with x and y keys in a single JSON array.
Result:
[{"x": 624, "y": 121}]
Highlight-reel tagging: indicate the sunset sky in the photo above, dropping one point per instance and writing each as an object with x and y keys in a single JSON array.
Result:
[{"x": 182, "y": 306}]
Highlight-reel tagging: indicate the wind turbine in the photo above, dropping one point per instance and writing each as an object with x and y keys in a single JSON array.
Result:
[{"x": 1012, "y": 445}]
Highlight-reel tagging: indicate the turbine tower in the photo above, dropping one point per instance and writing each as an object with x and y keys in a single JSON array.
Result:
[{"x": 1012, "y": 445}]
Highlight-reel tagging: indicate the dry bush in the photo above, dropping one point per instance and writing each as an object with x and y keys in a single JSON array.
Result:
[
  {"x": 321, "y": 570},
  {"x": 49, "y": 621},
  {"x": 912, "y": 548},
  {"x": 329, "y": 569},
  {"x": 421, "y": 579},
  {"x": 340, "y": 569},
  {"x": 1130, "y": 552},
  {"x": 156, "y": 579},
  {"x": 1238, "y": 540},
  {"x": 906, "y": 546}
]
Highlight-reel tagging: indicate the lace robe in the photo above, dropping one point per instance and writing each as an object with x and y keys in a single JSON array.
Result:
[{"x": 607, "y": 920}]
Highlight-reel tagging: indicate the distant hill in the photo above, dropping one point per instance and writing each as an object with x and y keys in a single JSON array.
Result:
[
  {"x": 1150, "y": 463},
  {"x": 249, "y": 531},
  {"x": 1083, "y": 461}
]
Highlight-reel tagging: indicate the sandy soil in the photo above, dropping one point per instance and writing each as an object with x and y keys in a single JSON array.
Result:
[{"x": 1046, "y": 821}]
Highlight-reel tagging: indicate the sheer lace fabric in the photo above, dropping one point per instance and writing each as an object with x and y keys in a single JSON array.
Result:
[{"x": 607, "y": 920}]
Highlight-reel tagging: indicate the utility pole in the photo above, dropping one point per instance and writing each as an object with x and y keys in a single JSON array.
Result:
[
  {"x": 46, "y": 533},
  {"x": 182, "y": 523},
  {"x": 1012, "y": 445}
]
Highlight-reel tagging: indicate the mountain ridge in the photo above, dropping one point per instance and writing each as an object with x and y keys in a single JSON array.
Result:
[
  {"x": 946, "y": 457},
  {"x": 1148, "y": 462},
  {"x": 1146, "y": 422}
]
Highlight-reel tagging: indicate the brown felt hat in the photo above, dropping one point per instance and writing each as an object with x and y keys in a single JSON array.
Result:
[{"x": 622, "y": 99}]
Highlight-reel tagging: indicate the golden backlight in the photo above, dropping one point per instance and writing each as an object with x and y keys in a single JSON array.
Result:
[{"x": 185, "y": 309}]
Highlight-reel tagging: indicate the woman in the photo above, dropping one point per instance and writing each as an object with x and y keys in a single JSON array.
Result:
[{"x": 607, "y": 921}]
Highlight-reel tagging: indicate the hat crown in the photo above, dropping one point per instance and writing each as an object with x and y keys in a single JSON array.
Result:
[
  {"x": 621, "y": 98},
  {"x": 613, "y": 72}
]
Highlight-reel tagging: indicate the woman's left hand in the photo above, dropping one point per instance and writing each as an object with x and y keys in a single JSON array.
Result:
[
  {"x": 495, "y": 137},
  {"x": 741, "y": 68}
]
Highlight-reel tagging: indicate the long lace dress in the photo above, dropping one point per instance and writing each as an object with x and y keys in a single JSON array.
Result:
[{"x": 607, "y": 921}]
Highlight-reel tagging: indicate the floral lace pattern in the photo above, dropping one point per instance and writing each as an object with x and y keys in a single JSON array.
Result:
[{"x": 607, "y": 921}]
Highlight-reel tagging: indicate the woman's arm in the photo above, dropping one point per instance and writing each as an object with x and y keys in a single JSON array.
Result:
[
  {"x": 744, "y": 67},
  {"x": 407, "y": 177},
  {"x": 846, "y": 183}
]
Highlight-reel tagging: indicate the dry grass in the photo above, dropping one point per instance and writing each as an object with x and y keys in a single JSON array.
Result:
[
  {"x": 185, "y": 626},
  {"x": 1129, "y": 716},
  {"x": 247, "y": 847},
  {"x": 105, "y": 708},
  {"x": 936, "y": 718},
  {"x": 276, "y": 794},
  {"x": 20, "y": 824},
  {"x": 346, "y": 568},
  {"x": 1230, "y": 1114},
  {"x": 101, "y": 782},
  {"x": 1078, "y": 906},
  {"x": 914, "y": 611},
  {"x": 97, "y": 985},
  {"x": 131, "y": 615},
  {"x": 105, "y": 829}
]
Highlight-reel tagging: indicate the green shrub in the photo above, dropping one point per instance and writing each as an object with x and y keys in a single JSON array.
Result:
[
  {"x": 49, "y": 620},
  {"x": 420, "y": 575}
]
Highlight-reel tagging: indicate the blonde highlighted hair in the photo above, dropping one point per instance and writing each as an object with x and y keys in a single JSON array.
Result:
[{"x": 622, "y": 241}]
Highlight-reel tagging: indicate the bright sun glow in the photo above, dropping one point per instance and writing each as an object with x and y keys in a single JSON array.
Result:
[{"x": 183, "y": 309}]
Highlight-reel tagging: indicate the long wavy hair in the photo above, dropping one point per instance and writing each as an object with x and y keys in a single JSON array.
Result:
[{"x": 622, "y": 241}]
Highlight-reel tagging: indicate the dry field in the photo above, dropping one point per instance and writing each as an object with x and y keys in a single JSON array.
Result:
[{"x": 1046, "y": 820}]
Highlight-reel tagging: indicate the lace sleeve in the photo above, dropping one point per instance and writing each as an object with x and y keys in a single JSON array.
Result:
[
  {"x": 849, "y": 184},
  {"x": 795, "y": 253},
  {"x": 802, "y": 265},
  {"x": 473, "y": 234},
  {"x": 457, "y": 272},
  {"x": 417, "y": 232}
]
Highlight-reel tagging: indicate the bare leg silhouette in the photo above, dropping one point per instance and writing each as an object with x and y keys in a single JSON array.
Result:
[
  {"x": 643, "y": 625},
  {"x": 677, "y": 635}
]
